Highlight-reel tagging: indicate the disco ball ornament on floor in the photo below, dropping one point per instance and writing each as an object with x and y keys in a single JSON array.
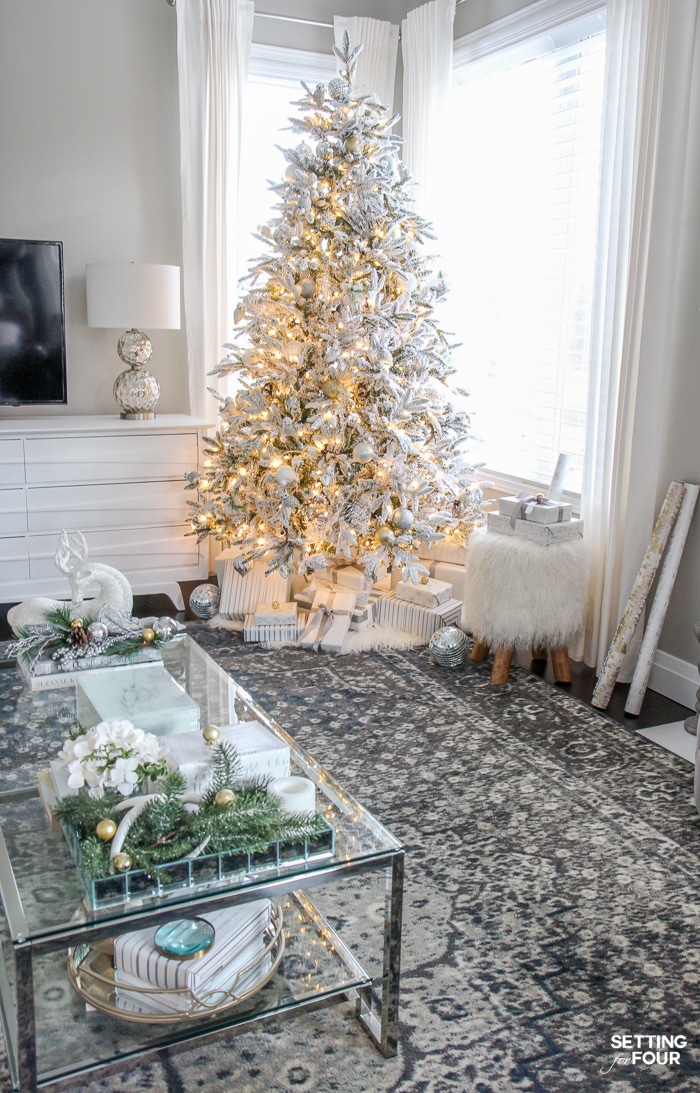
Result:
[
  {"x": 204, "y": 601},
  {"x": 448, "y": 647}
]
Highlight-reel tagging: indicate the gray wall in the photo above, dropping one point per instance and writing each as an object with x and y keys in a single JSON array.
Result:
[{"x": 89, "y": 154}]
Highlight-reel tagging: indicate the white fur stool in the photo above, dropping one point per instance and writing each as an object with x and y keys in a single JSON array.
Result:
[{"x": 519, "y": 594}]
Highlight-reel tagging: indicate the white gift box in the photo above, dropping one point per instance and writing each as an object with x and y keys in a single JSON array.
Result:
[
  {"x": 240, "y": 595},
  {"x": 278, "y": 632},
  {"x": 413, "y": 619},
  {"x": 536, "y": 533},
  {"x": 261, "y": 754},
  {"x": 266, "y": 614},
  {"x": 538, "y": 510},
  {"x": 427, "y": 592},
  {"x": 452, "y": 574},
  {"x": 444, "y": 550},
  {"x": 329, "y": 621},
  {"x": 351, "y": 576}
]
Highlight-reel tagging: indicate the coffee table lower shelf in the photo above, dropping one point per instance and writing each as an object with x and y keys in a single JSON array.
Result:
[{"x": 73, "y": 1041}]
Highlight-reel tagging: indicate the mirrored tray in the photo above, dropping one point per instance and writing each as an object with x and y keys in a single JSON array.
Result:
[{"x": 91, "y": 972}]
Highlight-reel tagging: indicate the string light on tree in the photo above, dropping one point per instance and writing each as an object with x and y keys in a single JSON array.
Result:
[{"x": 341, "y": 416}]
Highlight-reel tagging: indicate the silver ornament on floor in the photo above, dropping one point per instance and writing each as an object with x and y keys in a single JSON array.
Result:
[
  {"x": 204, "y": 601},
  {"x": 448, "y": 647}
]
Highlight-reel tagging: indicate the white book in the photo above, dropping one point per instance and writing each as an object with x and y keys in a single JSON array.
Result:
[{"x": 135, "y": 953}]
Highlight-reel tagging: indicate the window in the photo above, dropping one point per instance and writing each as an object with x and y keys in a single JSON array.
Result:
[
  {"x": 523, "y": 165},
  {"x": 273, "y": 85}
]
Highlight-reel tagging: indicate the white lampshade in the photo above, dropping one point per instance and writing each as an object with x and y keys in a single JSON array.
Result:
[{"x": 124, "y": 295}]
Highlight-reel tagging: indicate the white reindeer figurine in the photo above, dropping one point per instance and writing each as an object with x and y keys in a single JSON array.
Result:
[{"x": 71, "y": 559}]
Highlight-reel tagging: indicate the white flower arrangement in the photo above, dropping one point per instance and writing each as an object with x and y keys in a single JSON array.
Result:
[{"x": 113, "y": 755}]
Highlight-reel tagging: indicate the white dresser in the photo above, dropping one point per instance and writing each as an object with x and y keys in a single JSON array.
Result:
[{"x": 119, "y": 482}]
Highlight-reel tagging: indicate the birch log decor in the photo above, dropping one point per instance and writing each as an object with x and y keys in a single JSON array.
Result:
[
  {"x": 667, "y": 577},
  {"x": 638, "y": 596}
]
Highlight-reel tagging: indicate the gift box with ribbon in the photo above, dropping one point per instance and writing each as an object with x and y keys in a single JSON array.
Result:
[
  {"x": 534, "y": 507},
  {"x": 276, "y": 614},
  {"x": 536, "y": 533},
  {"x": 329, "y": 621},
  {"x": 427, "y": 592}
]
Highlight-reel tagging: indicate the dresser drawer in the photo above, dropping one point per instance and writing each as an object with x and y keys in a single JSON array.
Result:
[
  {"x": 111, "y": 505},
  {"x": 110, "y": 458},
  {"x": 14, "y": 559},
  {"x": 11, "y": 462},
  {"x": 130, "y": 550},
  {"x": 13, "y": 512}
]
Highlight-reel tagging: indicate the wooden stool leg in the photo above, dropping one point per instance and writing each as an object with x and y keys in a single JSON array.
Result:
[
  {"x": 501, "y": 665},
  {"x": 538, "y": 652},
  {"x": 560, "y": 665},
  {"x": 480, "y": 650}
]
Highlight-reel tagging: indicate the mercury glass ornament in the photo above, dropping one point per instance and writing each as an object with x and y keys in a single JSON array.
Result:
[
  {"x": 204, "y": 601},
  {"x": 97, "y": 631},
  {"x": 332, "y": 387},
  {"x": 384, "y": 535},
  {"x": 363, "y": 452},
  {"x": 165, "y": 628},
  {"x": 448, "y": 647},
  {"x": 352, "y": 145},
  {"x": 285, "y": 476},
  {"x": 403, "y": 519}
]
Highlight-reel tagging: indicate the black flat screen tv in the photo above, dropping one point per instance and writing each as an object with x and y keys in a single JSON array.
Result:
[{"x": 32, "y": 323}]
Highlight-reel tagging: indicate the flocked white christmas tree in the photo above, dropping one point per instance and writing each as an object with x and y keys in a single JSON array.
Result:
[{"x": 342, "y": 438}]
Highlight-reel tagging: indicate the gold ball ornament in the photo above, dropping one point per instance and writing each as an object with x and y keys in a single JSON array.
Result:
[
  {"x": 106, "y": 830},
  {"x": 148, "y": 634},
  {"x": 76, "y": 624},
  {"x": 331, "y": 387},
  {"x": 211, "y": 733},
  {"x": 424, "y": 580},
  {"x": 225, "y": 798},
  {"x": 352, "y": 145},
  {"x": 122, "y": 862},
  {"x": 384, "y": 535},
  {"x": 275, "y": 604}
]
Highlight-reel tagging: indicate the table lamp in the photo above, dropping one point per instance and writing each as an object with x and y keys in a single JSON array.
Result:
[{"x": 134, "y": 295}]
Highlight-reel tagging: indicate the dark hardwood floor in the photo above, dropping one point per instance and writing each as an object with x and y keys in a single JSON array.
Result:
[{"x": 656, "y": 709}]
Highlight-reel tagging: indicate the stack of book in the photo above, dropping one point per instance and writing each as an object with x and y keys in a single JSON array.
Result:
[{"x": 234, "y": 965}]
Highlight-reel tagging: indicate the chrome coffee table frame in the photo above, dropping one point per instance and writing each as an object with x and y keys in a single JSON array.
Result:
[{"x": 363, "y": 846}]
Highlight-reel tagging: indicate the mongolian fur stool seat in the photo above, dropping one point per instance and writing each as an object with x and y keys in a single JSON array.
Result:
[{"x": 519, "y": 594}]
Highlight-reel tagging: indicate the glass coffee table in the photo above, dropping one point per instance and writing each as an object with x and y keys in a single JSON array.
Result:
[{"x": 48, "y": 912}]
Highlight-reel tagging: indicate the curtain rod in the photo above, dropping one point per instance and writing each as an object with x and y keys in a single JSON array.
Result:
[{"x": 291, "y": 18}]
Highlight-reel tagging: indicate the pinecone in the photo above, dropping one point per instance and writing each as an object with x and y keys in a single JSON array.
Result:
[{"x": 78, "y": 636}]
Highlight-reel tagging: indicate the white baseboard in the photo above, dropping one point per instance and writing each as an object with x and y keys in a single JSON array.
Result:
[{"x": 675, "y": 679}]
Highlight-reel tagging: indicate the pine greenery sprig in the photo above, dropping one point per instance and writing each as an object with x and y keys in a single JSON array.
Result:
[{"x": 166, "y": 830}]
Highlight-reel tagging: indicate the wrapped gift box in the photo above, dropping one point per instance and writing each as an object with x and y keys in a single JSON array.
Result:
[
  {"x": 240, "y": 595},
  {"x": 351, "y": 576},
  {"x": 146, "y": 695},
  {"x": 262, "y": 754},
  {"x": 427, "y": 593},
  {"x": 536, "y": 533},
  {"x": 278, "y": 632},
  {"x": 413, "y": 619},
  {"x": 444, "y": 550},
  {"x": 285, "y": 614},
  {"x": 452, "y": 574},
  {"x": 538, "y": 510},
  {"x": 328, "y": 621}
]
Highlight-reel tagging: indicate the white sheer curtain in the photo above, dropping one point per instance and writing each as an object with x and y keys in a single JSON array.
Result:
[
  {"x": 426, "y": 48},
  {"x": 213, "y": 50},
  {"x": 645, "y": 129},
  {"x": 376, "y": 65}
]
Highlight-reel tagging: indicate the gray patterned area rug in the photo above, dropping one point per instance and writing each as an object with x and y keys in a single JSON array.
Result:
[{"x": 552, "y": 895}]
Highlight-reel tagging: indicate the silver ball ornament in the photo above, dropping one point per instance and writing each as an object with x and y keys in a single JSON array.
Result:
[
  {"x": 97, "y": 631},
  {"x": 204, "y": 601},
  {"x": 165, "y": 628},
  {"x": 403, "y": 519},
  {"x": 352, "y": 145},
  {"x": 285, "y": 476},
  {"x": 307, "y": 290},
  {"x": 363, "y": 452}
]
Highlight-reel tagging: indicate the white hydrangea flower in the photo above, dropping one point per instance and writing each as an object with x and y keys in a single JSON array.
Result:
[{"x": 114, "y": 755}]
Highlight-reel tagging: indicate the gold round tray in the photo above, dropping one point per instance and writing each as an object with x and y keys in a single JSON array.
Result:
[{"x": 91, "y": 971}]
